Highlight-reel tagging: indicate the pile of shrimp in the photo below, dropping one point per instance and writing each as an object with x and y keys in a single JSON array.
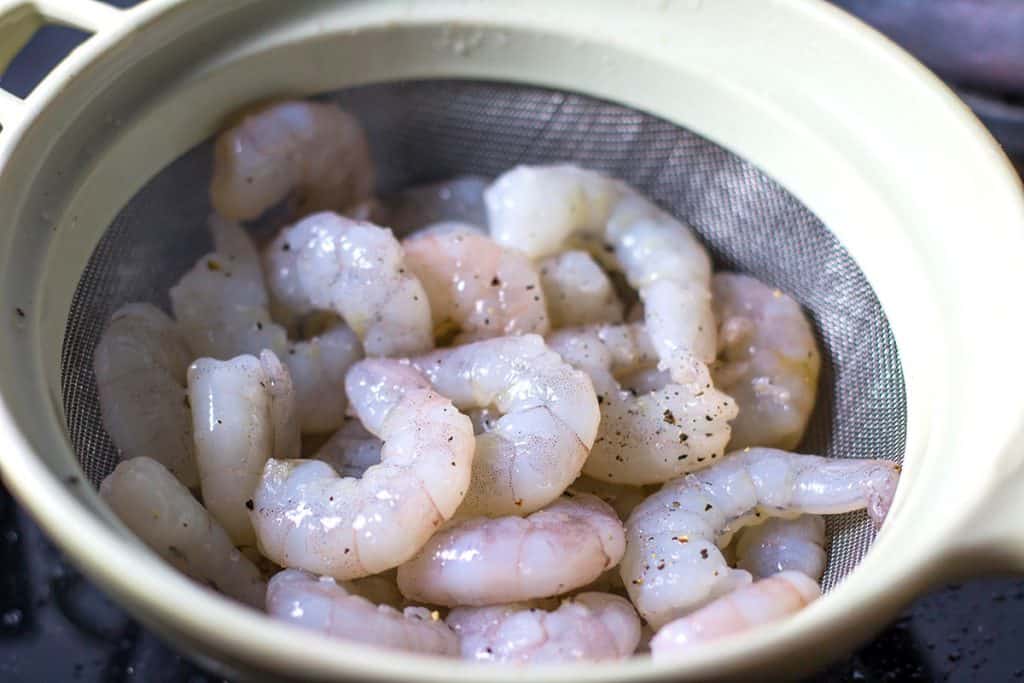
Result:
[{"x": 515, "y": 420}]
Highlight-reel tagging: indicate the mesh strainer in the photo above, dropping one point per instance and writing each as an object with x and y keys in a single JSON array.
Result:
[{"x": 757, "y": 121}]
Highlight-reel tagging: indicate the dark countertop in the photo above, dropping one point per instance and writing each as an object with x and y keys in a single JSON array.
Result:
[{"x": 56, "y": 626}]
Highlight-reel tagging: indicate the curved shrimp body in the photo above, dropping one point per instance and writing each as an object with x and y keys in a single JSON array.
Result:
[
  {"x": 160, "y": 511},
  {"x": 308, "y": 517},
  {"x": 477, "y": 289},
  {"x": 587, "y": 627},
  {"x": 550, "y": 416},
  {"x": 140, "y": 365},
  {"x": 647, "y": 438},
  {"x": 459, "y": 200},
  {"x": 769, "y": 361},
  {"x": 509, "y": 559},
  {"x": 539, "y": 208},
  {"x": 578, "y": 291},
  {"x": 356, "y": 269},
  {"x": 323, "y": 605},
  {"x": 760, "y": 603},
  {"x": 315, "y": 152},
  {"x": 351, "y": 450},
  {"x": 673, "y": 563},
  {"x": 783, "y": 545},
  {"x": 243, "y": 411},
  {"x": 318, "y": 367}
]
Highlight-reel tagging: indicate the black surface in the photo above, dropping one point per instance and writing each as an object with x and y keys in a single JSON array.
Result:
[{"x": 56, "y": 626}]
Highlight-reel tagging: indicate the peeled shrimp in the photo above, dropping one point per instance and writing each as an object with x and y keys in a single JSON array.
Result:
[
  {"x": 351, "y": 450},
  {"x": 308, "y": 517},
  {"x": 356, "y": 269},
  {"x": 315, "y": 152},
  {"x": 539, "y": 208},
  {"x": 622, "y": 498},
  {"x": 587, "y": 627},
  {"x": 321, "y": 604},
  {"x": 763, "y": 602},
  {"x": 223, "y": 309},
  {"x": 459, "y": 200},
  {"x": 477, "y": 289},
  {"x": 140, "y": 365},
  {"x": 783, "y": 545},
  {"x": 160, "y": 511},
  {"x": 769, "y": 361},
  {"x": 484, "y": 561},
  {"x": 652, "y": 437},
  {"x": 673, "y": 563},
  {"x": 578, "y": 291},
  {"x": 380, "y": 589},
  {"x": 243, "y": 412},
  {"x": 550, "y": 417}
]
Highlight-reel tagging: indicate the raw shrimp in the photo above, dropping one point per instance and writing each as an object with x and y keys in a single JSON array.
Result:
[
  {"x": 356, "y": 269},
  {"x": 550, "y": 416},
  {"x": 578, "y": 291},
  {"x": 477, "y": 289},
  {"x": 783, "y": 545},
  {"x": 622, "y": 498},
  {"x": 484, "y": 561},
  {"x": 459, "y": 199},
  {"x": 673, "y": 563},
  {"x": 652, "y": 437},
  {"x": 243, "y": 412},
  {"x": 587, "y": 627},
  {"x": 769, "y": 361},
  {"x": 321, "y": 604},
  {"x": 140, "y": 365},
  {"x": 539, "y": 208},
  {"x": 160, "y": 511},
  {"x": 764, "y": 602},
  {"x": 380, "y": 589},
  {"x": 222, "y": 307},
  {"x": 351, "y": 450},
  {"x": 308, "y": 517},
  {"x": 315, "y": 152}
]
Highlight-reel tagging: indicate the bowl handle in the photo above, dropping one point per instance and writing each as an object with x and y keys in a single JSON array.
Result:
[{"x": 19, "y": 21}]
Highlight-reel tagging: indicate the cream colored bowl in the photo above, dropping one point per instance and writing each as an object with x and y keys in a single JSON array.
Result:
[{"x": 887, "y": 157}]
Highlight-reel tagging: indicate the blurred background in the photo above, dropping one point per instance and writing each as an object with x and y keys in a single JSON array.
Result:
[{"x": 55, "y": 626}]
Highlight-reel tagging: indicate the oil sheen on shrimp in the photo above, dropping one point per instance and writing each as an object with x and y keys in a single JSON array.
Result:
[
  {"x": 578, "y": 291},
  {"x": 485, "y": 561},
  {"x": 766, "y": 601},
  {"x": 222, "y": 307},
  {"x": 783, "y": 545},
  {"x": 539, "y": 208},
  {"x": 477, "y": 289},
  {"x": 357, "y": 270},
  {"x": 321, "y": 604},
  {"x": 307, "y": 517},
  {"x": 243, "y": 412},
  {"x": 652, "y": 437},
  {"x": 548, "y": 423},
  {"x": 160, "y": 511},
  {"x": 140, "y": 365},
  {"x": 586, "y": 627},
  {"x": 673, "y": 562},
  {"x": 769, "y": 361},
  {"x": 315, "y": 152}
]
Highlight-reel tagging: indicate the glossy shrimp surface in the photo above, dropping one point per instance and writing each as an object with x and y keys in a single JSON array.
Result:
[
  {"x": 323, "y": 605},
  {"x": 307, "y": 517},
  {"x": 316, "y": 153},
  {"x": 357, "y": 270},
  {"x": 351, "y": 450},
  {"x": 140, "y": 365},
  {"x": 651, "y": 437},
  {"x": 769, "y": 361},
  {"x": 673, "y": 562},
  {"x": 760, "y": 603},
  {"x": 783, "y": 545},
  {"x": 587, "y": 627},
  {"x": 160, "y": 511},
  {"x": 543, "y": 209},
  {"x": 549, "y": 418},
  {"x": 485, "y": 561},
  {"x": 477, "y": 289},
  {"x": 243, "y": 412},
  {"x": 578, "y": 291}
]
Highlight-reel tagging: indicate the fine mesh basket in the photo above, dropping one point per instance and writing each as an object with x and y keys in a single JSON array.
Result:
[{"x": 423, "y": 131}]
